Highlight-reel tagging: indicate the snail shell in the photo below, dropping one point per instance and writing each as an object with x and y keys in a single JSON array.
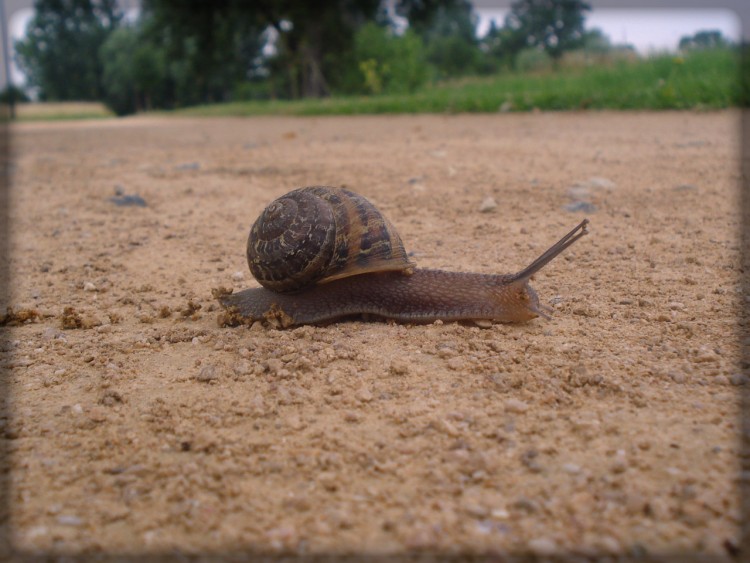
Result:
[{"x": 320, "y": 234}]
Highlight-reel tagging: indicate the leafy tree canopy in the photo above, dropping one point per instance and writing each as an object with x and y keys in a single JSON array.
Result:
[
  {"x": 211, "y": 44},
  {"x": 706, "y": 39},
  {"x": 311, "y": 39},
  {"x": 553, "y": 25},
  {"x": 136, "y": 74},
  {"x": 58, "y": 55},
  {"x": 448, "y": 28}
]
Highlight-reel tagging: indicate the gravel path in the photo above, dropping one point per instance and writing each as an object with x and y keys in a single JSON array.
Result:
[{"x": 610, "y": 428}]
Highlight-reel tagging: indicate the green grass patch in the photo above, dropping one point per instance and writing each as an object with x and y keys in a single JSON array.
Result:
[
  {"x": 56, "y": 111},
  {"x": 702, "y": 79}
]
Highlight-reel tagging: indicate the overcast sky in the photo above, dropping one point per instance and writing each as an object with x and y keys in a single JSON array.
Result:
[{"x": 648, "y": 30}]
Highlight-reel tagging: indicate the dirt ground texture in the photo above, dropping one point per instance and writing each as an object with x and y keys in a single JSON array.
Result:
[{"x": 138, "y": 423}]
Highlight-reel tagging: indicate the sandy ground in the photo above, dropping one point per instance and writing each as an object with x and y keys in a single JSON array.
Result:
[{"x": 138, "y": 423}]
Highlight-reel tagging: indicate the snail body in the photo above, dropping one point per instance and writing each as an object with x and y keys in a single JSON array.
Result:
[{"x": 367, "y": 272}]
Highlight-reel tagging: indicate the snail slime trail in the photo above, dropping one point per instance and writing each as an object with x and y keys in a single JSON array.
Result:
[{"x": 323, "y": 254}]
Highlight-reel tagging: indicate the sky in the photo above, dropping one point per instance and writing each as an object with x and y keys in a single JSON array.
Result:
[{"x": 649, "y": 30}]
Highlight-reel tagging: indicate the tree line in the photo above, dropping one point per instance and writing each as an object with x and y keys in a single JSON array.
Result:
[{"x": 176, "y": 54}]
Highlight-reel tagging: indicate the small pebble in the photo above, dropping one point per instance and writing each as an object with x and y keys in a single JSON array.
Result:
[
  {"x": 238, "y": 276},
  {"x": 207, "y": 374},
  {"x": 577, "y": 206},
  {"x": 282, "y": 536},
  {"x": 128, "y": 201},
  {"x": 601, "y": 183},
  {"x": 69, "y": 520},
  {"x": 571, "y": 468},
  {"x": 500, "y": 513},
  {"x": 456, "y": 363},
  {"x": 579, "y": 192},
  {"x": 351, "y": 416},
  {"x": 399, "y": 367},
  {"x": 643, "y": 444},
  {"x": 475, "y": 510},
  {"x": 738, "y": 379},
  {"x": 543, "y": 546},
  {"x": 620, "y": 465},
  {"x": 188, "y": 166},
  {"x": 677, "y": 377},
  {"x": 515, "y": 405},
  {"x": 242, "y": 367},
  {"x": 36, "y": 532},
  {"x": 447, "y": 427},
  {"x": 526, "y": 504},
  {"x": 658, "y": 509},
  {"x": 484, "y": 527},
  {"x": 488, "y": 204},
  {"x": 363, "y": 395},
  {"x": 88, "y": 286},
  {"x": 446, "y": 352},
  {"x": 295, "y": 422},
  {"x": 51, "y": 333},
  {"x": 705, "y": 355},
  {"x": 328, "y": 480},
  {"x": 609, "y": 544},
  {"x": 97, "y": 414}
]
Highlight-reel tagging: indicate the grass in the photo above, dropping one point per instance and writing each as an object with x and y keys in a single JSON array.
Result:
[
  {"x": 52, "y": 111},
  {"x": 705, "y": 80},
  {"x": 699, "y": 80}
]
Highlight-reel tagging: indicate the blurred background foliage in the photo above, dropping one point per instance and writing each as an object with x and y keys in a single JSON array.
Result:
[{"x": 234, "y": 50}]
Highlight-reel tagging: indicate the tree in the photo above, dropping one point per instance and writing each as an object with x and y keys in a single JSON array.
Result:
[
  {"x": 553, "y": 25},
  {"x": 501, "y": 46},
  {"x": 14, "y": 92},
  {"x": 135, "y": 72},
  {"x": 208, "y": 47},
  {"x": 312, "y": 41},
  {"x": 452, "y": 44},
  {"x": 422, "y": 13},
  {"x": 388, "y": 62},
  {"x": 315, "y": 40},
  {"x": 448, "y": 29},
  {"x": 706, "y": 39},
  {"x": 59, "y": 52},
  {"x": 595, "y": 41}
]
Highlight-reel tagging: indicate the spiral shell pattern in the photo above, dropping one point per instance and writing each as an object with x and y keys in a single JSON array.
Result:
[{"x": 318, "y": 234}]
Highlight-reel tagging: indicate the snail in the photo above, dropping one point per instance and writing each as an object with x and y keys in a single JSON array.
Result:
[{"x": 326, "y": 253}]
